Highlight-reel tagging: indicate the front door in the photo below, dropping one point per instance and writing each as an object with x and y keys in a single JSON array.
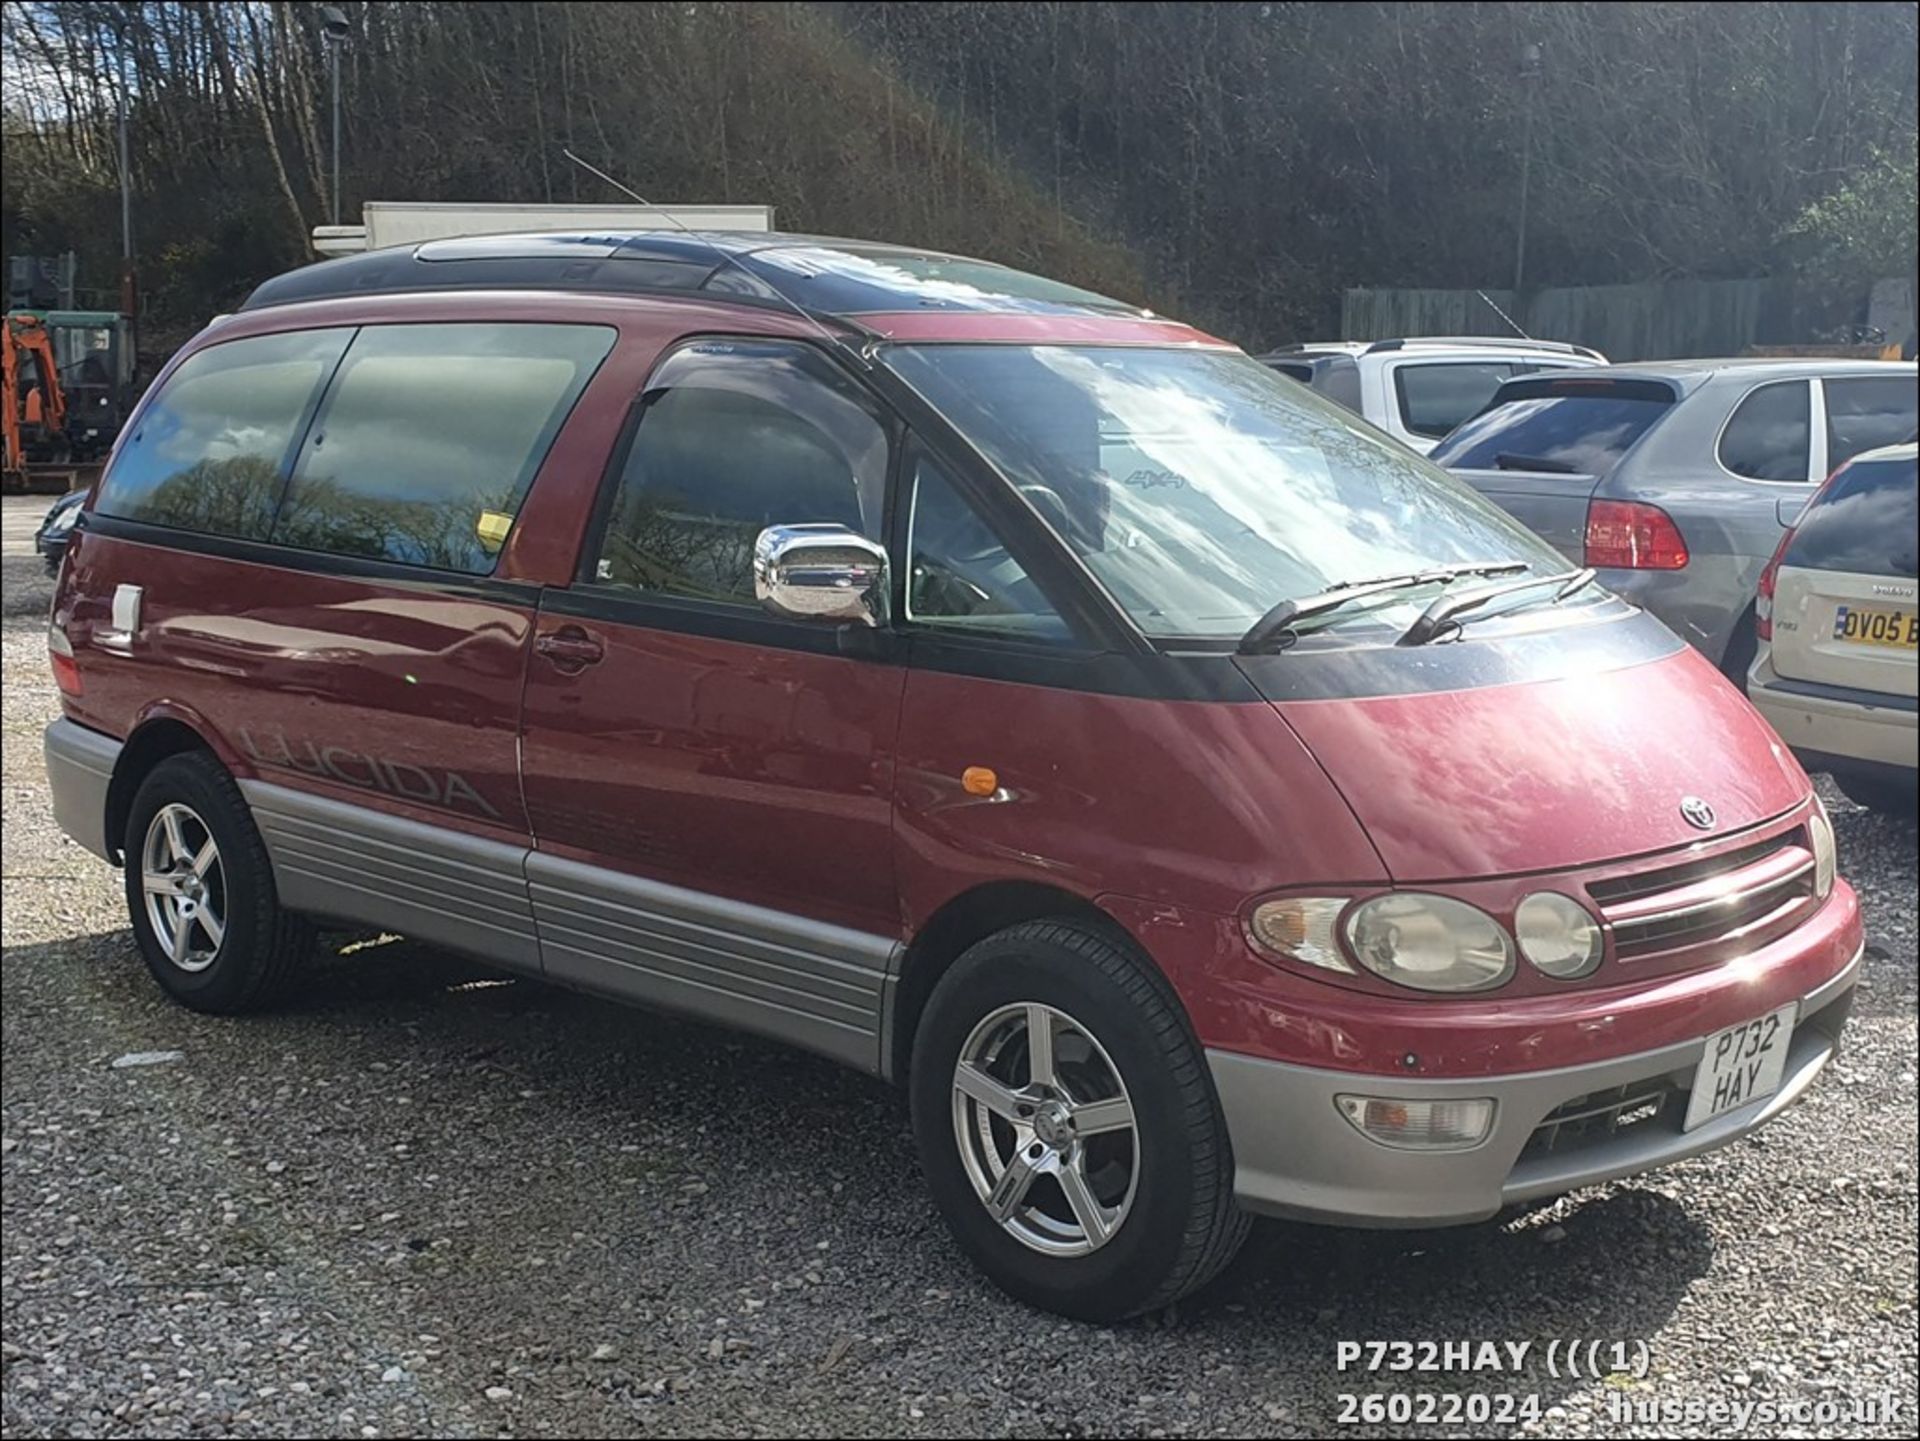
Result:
[{"x": 710, "y": 787}]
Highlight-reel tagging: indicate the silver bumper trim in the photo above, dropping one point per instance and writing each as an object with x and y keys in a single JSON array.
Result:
[
  {"x": 1295, "y": 1155},
  {"x": 80, "y": 764}
]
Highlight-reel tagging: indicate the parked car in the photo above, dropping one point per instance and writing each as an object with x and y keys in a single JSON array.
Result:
[
  {"x": 50, "y": 540},
  {"x": 980, "y": 683},
  {"x": 1674, "y": 480},
  {"x": 1420, "y": 388},
  {"x": 1837, "y": 672}
]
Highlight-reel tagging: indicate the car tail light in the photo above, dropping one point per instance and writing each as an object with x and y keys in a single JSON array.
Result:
[
  {"x": 1763, "y": 600},
  {"x": 66, "y": 670},
  {"x": 1628, "y": 535}
]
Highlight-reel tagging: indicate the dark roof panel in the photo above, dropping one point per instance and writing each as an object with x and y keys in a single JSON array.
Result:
[{"x": 824, "y": 276}]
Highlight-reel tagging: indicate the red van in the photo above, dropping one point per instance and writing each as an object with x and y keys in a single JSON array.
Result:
[{"x": 1202, "y": 805}]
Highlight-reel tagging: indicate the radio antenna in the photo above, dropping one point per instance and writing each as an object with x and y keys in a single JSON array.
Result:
[
  {"x": 1503, "y": 315},
  {"x": 858, "y": 354}
]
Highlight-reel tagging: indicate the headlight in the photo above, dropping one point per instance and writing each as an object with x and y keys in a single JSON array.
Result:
[
  {"x": 1431, "y": 943},
  {"x": 1825, "y": 855},
  {"x": 62, "y": 521},
  {"x": 1301, "y": 928},
  {"x": 1557, "y": 935}
]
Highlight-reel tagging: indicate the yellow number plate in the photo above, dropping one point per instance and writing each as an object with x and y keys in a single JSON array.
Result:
[{"x": 1860, "y": 625}]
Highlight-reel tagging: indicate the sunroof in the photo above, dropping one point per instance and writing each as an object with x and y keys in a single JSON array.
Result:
[{"x": 852, "y": 280}]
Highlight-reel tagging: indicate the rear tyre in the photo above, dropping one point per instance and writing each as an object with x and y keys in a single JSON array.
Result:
[
  {"x": 1877, "y": 793},
  {"x": 1068, "y": 1128},
  {"x": 200, "y": 891}
]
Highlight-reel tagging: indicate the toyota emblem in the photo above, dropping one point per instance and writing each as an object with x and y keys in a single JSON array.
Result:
[{"x": 1697, "y": 812}]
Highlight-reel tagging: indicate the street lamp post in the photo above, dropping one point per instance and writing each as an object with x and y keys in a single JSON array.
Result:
[
  {"x": 333, "y": 33},
  {"x": 1530, "y": 68}
]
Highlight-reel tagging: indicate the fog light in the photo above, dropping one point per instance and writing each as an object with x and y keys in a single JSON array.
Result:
[{"x": 1419, "y": 1125}]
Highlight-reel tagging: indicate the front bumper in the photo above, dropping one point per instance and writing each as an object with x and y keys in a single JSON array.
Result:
[
  {"x": 80, "y": 764},
  {"x": 1829, "y": 724},
  {"x": 1295, "y": 1155}
]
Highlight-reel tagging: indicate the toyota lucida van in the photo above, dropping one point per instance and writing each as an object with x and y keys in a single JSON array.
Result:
[{"x": 1203, "y": 806}]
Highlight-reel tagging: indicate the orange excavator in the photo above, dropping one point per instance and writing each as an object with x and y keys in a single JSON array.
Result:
[
  {"x": 33, "y": 414},
  {"x": 64, "y": 392}
]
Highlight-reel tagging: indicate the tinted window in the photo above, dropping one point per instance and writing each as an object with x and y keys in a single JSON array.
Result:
[
  {"x": 1864, "y": 522},
  {"x": 736, "y": 436},
  {"x": 1580, "y": 427},
  {"x": 1200, "y": 488},
  {"x": 210, "y": 453},
  {"x": 1339, "y": 381},
  {"x": 960, "y": 574},
  {"x": 1867, "y": 413},
  {"x": 429, "y": 437},
  {"x": 1436, "y": 398},
  {"x": 1767, "y": 436}
]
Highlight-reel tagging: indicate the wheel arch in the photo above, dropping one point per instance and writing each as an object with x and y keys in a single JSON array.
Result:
[
  {"x": 161, "y": 732},
  {"x": 964, "y": 919}
]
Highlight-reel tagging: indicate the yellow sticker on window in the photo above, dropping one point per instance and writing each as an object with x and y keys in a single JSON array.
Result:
[{"x": 492, "y": 528}]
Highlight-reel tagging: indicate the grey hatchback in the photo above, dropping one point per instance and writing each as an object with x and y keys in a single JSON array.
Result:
[{"x": 1675, "y": 479}]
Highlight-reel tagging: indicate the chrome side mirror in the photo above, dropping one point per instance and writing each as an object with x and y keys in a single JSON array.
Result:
[{"x": 820, "y": 572}]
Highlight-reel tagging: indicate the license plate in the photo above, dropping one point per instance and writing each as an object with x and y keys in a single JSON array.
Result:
[
  {"x": 1743, "y": 1063},
  {"x": 1867, "y": 625}
]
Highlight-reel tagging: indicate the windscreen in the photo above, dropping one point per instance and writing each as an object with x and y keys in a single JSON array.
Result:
[
  {"x": 1200, "y": 489},
  {"x": 1573, "y": 426}
]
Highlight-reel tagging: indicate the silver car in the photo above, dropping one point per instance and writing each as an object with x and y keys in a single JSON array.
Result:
[
  {"x": 1840, "y": 631},
  {"x": 1675, "y": 479}
]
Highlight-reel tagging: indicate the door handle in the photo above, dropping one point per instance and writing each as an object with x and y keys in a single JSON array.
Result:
[{"x": 570, "y": 648}]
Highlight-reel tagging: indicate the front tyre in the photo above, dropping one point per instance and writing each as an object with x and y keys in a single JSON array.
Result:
[
  {"x": 200, "y": 891},
  {"x": 1067, "y": 1125}
]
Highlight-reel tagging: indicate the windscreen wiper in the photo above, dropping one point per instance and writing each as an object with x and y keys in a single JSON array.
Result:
[
  {"x": 1445, "y": 612},
  {"x": 1279, "y": 621}
]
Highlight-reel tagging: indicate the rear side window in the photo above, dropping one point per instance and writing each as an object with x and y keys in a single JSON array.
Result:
[
  {"x": 1867, "y": 412},
  {"x": 735, "y": 436},
  {"x": 1436, "y": 398},
  {"x": 1564, "y": 425},
  {"x": 1768, "y": 433},
  {"x": 1865, "y": 522},
  {"x": 210, "y": 452},
  {"x": 429, "y": 437}
]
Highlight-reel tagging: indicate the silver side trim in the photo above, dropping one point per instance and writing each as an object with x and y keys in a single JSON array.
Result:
[
  {"x": 431, "y": 883},
  {"x": 80, "y": 764},
  {"x": 802, "y": 981}
]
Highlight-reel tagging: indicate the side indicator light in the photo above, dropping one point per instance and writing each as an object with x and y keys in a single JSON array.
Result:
[{"x": 979, "y": 781}]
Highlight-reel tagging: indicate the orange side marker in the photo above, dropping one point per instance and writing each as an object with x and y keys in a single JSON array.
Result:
[{"x": 979, "y": 781}]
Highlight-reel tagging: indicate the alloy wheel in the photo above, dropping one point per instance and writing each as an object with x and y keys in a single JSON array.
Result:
[
  {"x": 184, "y": 886},
  {"x": 1046, "y": 1129}
]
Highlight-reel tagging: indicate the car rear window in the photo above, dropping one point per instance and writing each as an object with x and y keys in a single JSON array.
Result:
[
  {"x": 209, "y": 453},
  {"x": 1864, "y": 523},
  {"x": 1561, "y": 423},
  {"x": 1868, "y": 411},
  {"x": 1436, "y": 397}
]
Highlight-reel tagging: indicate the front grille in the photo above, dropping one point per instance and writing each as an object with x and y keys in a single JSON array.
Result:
[
  {"x": 1734, "y": 896},
  {"x": 1671, "y": 878},
  {"x": 1599, "y": 1116}
]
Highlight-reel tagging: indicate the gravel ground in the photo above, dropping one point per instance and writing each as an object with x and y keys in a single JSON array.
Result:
[{"x": 424, "y": 1202}]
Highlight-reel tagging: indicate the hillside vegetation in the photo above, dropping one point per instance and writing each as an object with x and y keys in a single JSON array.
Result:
[{"x": 1239, "y": 165}]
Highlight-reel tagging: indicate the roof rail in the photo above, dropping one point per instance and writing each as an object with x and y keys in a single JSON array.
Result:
[{"x": 1502, "y": 342}]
